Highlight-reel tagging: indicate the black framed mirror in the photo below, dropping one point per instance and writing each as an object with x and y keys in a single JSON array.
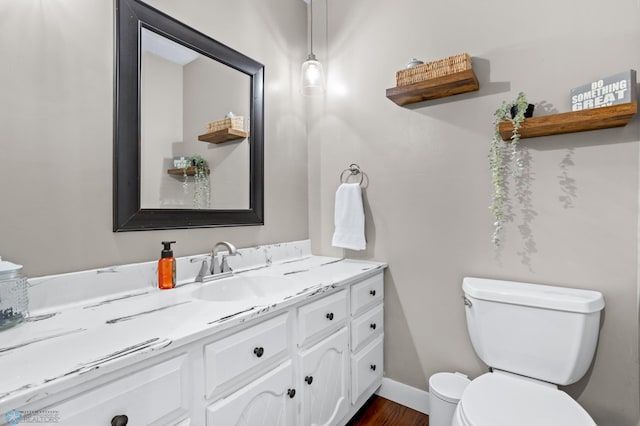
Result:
[{"x": 133, "y": 18}]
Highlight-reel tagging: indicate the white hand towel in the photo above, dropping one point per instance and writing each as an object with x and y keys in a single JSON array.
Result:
[{"x": 349, "y": 218}]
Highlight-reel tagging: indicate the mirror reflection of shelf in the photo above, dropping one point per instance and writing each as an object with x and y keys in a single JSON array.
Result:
[
  {"x": 191, "y": 171},
  {"x": 224, "y": 135}
]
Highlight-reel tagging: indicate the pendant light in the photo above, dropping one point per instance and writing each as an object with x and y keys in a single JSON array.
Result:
[{"x": 312, "y": 81}]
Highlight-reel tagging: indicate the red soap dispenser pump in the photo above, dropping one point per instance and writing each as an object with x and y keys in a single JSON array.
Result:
[{"x": 167, "y": 267}]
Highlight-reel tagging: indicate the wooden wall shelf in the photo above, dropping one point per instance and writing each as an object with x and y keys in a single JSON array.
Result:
[
  {"x": 571, "y": 122},
  {"x": 440, "y": 87},
  {"x": 191, "y": 171},
  {"x": 223, "y": 135}
]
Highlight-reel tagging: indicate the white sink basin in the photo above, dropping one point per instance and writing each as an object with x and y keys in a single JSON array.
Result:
[{"x": 239, "y": 288}]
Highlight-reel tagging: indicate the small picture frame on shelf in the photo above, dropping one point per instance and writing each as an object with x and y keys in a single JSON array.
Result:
[{"x": 613, "y": 90}]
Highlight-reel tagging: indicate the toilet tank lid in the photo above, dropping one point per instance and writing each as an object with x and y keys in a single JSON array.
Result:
[{"x": 536, "y": 295}]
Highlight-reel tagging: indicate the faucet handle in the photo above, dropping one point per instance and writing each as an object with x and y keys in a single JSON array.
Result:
[{"x": 225, "y": 265}]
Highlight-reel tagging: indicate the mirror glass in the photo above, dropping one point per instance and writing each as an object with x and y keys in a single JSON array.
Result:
[
  {"x": 181, "y": 91},
  {"x": 188, "y": 140}
]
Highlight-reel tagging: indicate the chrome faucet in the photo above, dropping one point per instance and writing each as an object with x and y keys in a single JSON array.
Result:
[{"x": 216, "y": 268}]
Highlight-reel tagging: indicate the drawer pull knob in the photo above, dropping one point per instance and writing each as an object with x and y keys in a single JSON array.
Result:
[
  {"x": 291, "y": 393},
  {"x": 372, "y": 325},
  {"x": 258, "y": 351},
  {"x": 120, "y": 420},
  {"x": 373, "y": 367},
  {"x": 308, "y": 379},
  {"x": 372, "y": 292},
  {"x": 330, "y": 316}
]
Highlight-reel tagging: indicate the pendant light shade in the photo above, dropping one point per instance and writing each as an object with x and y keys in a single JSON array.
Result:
[
  {"x": 312, "y": 74},
  {"x": 312, "y": 77}
]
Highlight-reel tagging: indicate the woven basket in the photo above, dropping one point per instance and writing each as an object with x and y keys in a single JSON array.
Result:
[
  {"x": 226, "y": 123},
  {"x": 439, "y": 68}
]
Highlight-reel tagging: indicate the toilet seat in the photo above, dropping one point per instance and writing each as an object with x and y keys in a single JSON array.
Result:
[{"x": 503, "y": 399}]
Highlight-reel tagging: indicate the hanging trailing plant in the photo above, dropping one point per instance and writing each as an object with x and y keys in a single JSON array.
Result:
[
  {"x": 201, "y": 193},
  {"x": 515, "y": 112}
]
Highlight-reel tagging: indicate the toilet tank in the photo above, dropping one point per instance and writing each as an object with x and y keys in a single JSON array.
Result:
[{"x": 544, "y": 332}]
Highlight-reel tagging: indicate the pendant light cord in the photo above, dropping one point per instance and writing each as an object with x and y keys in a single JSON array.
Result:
[{"x": 311, "y": 26}]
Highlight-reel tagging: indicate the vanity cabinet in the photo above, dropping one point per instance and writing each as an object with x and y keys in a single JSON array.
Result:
[
  {"x": 310, "y": 363},
  {"x": 333, "y": 367}
]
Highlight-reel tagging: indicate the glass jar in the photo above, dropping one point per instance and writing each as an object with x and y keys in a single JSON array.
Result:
[{"x": 14, "y": 299}]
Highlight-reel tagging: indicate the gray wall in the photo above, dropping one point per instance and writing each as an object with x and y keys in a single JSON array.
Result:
[
  {"x": 429, "y": 183},
  {"x": 161, "y": 112},
  {"x": 56, "y": 120}
]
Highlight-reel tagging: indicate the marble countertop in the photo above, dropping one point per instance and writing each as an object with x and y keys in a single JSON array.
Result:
[{"x": 55, "y": 350}]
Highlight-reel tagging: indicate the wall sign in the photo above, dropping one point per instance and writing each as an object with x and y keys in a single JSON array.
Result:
[{"x": 616, "y": 89}]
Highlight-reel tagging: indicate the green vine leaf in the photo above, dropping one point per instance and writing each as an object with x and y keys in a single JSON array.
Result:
[{"x": 497, "y": 159}]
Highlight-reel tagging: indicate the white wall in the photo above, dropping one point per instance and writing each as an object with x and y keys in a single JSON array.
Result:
[
  {"x": 429, "y": 182},
  {"x": 56, "y": 127}
]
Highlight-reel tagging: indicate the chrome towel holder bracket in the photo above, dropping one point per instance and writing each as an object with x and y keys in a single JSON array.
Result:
[{"x": 353, "y": 170}]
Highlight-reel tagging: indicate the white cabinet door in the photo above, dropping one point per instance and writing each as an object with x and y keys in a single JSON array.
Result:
[
  {"x": 324, "y": 386},
  {"x": 269, "y": 401}
]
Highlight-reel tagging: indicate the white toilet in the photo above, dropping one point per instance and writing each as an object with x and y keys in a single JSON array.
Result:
[{"x": 534, "y": 337}]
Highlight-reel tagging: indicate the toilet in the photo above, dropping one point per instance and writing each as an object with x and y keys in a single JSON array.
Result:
[{"x": 534, "y": 337}]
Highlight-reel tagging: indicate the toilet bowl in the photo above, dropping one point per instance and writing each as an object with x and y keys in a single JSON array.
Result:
[
  {"x": 534, "y": 337},
  {"x": 498, "y": 399}
]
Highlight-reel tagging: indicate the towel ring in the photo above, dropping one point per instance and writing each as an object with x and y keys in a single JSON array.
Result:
[{"x": 353, "y": 170}]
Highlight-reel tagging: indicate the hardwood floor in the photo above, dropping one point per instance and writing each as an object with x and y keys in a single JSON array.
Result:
[{"x": 379, "y": 411}]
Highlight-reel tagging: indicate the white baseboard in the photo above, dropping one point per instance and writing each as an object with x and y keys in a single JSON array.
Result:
[{"x": 414, "y": 398}]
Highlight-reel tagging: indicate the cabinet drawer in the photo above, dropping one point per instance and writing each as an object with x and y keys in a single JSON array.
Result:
[
  {"x": 320, "y": 316},
  {"x": 249, "y": 349},
  {"x": 366, "y": 368},
  {"x": 367, "y": 293},
  {"x": 366, "y": 326},
  {"x": 157, "y": 395},
  {"x": 270, "y": 400}
]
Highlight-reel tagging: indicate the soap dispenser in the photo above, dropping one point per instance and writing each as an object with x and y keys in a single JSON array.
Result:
[{"x": 167, "y": 267}]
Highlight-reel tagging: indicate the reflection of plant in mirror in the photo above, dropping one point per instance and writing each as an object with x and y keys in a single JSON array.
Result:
[
  {"x": 201, "y": 194},
  {"x": 497, "y": 158}
]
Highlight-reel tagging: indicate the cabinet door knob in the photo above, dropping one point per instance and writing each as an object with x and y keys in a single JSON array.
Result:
[
  {"x": 258, "y": 351},
  {"x": 373, "y": 367},
  {"x": 330, "y": 316},
  {"x": 372, "y": 325},
  {"x": 291, "y": 393},
  {"x": 372, "y": 292},
  {"x": 308, "y": 379},
  {"x": 120, "y": 420}
]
